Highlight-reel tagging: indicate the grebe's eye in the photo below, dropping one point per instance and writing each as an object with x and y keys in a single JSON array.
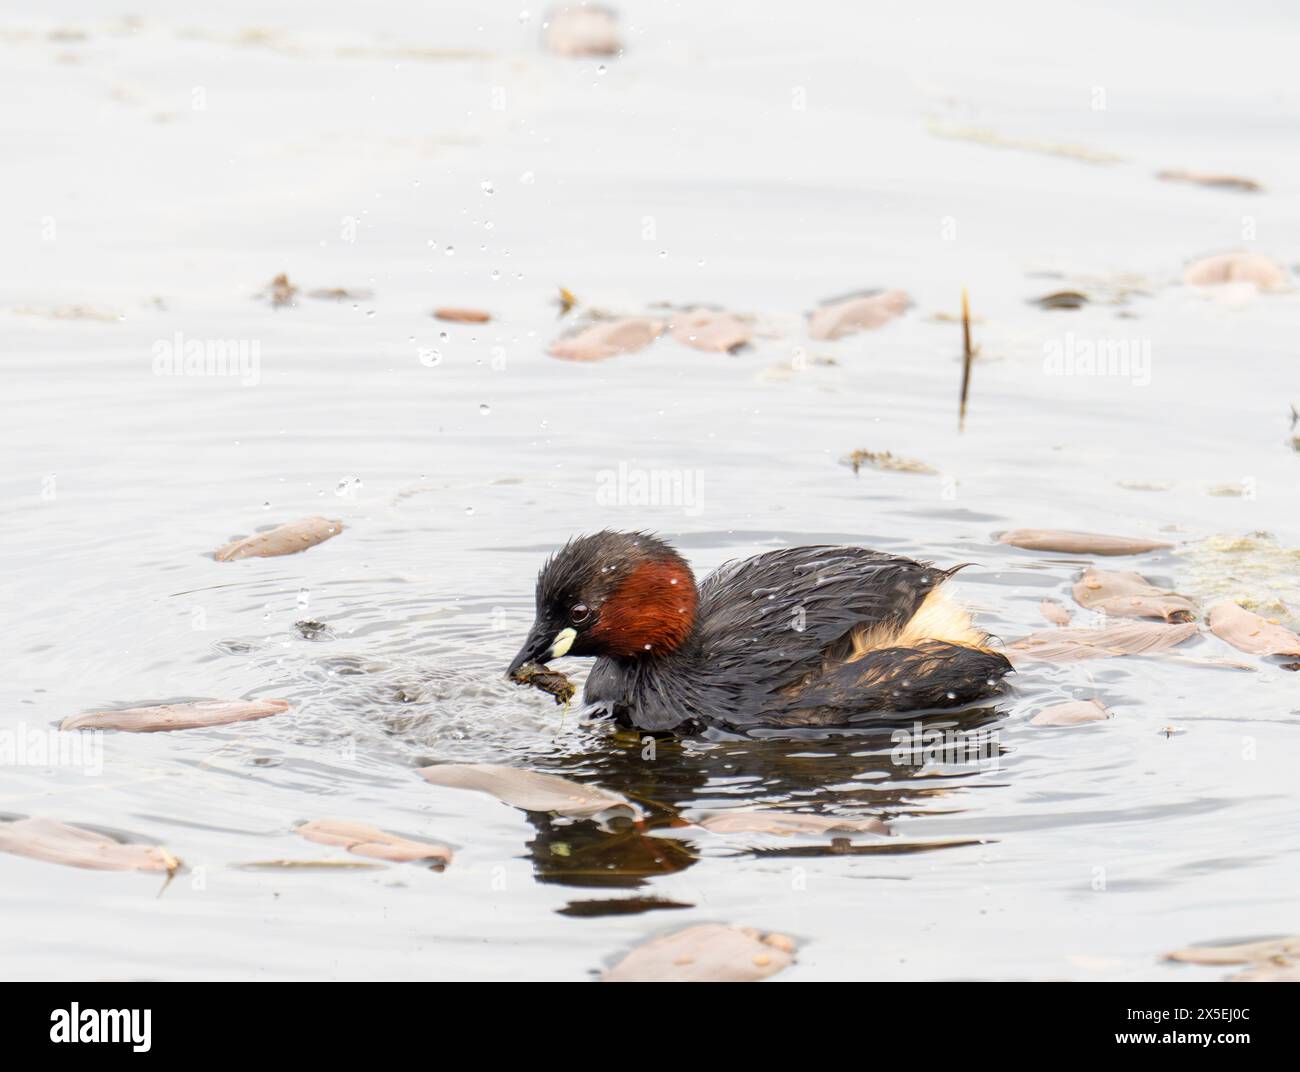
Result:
[{"x": 579, "y": 614}]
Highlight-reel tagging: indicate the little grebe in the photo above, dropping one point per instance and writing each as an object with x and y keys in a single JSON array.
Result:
[{"x": 806, "y": 636}]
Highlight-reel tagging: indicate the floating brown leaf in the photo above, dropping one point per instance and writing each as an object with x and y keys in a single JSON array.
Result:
[
  {"x": 1062, "y": 299},
  {"x": 1243, "y": 953},
  {"x": 1054, "y": 612},
  {"x": 462, "y": 316},
  {"x": 1075, "y": 713},
  {"x": 182, "y": 716},
  {"x": 1207, "y": 178},
  {"x": 547, "y": 680},
  {"x": 738, "y": 821},
  {"x": 1127, "y": 638},
  {"x": 713, "y": 331},
  {"x": 606, "y": 338},
  {"x": 287, "y": 539},
  {"x": 706, "y": 953},
  {"x": 340, "y": 294},
  {"x": 1079, "y": 543},
  {"x": 885, "y": 461},
  {"x": 59, "y": 843},
  {"x": 530, "y": 790},
  {"x": 1247, "y": 631},
  {"x": 586, "y": 30},
  {"x": 1255, "y": 268},
  {"x": 837, "y": 319},
  {"x": 1130, "y": 595},
  {"x": 361, "y": 839}
]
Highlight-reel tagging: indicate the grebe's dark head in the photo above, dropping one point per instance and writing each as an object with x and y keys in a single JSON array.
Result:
[{"x": 618, "y": 594}]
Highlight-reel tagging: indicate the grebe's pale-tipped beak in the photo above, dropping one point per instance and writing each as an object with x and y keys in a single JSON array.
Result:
[{"x": 542, "y": 645}]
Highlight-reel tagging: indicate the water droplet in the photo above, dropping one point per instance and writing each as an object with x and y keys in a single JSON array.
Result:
[
  {"x": 601, "y": 69},
  {"x": 469, "y": 509},
  {"x": 347, "y": 486},
  {"x": 450, "y": 251},
  {"x": 486, "y": 187},
  {"x": 430, "y": 358},
  {"x": 527, "y": 178},
  {"x": 443, "y": 336},
  {"x": 663, "y": 253},
  {"x": 484, "y": 409}
]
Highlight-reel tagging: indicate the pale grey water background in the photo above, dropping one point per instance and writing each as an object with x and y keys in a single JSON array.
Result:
[{"x": 759, "y": 206}]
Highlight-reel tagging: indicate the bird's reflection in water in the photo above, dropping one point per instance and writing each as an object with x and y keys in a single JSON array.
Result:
[{"x": 847, "y": 773}]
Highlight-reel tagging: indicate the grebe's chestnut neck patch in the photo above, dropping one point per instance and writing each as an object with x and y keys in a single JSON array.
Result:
[{"x": 651, "y": 612}]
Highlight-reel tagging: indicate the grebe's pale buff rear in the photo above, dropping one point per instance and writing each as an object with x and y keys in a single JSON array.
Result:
[{"x": 807, "y": 636}]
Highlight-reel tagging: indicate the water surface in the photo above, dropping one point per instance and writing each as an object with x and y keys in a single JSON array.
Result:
[{"x": 338, "y": 151}]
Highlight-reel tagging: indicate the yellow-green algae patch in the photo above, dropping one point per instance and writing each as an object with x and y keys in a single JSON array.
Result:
[{"x": 1252, "y": 571}]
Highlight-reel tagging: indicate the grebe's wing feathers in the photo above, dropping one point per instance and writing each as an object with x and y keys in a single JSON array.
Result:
[
  {"x": 929, "y": 674},
  {"x": 767, "y": 621},
  {"x": 815, "y": 594}
]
